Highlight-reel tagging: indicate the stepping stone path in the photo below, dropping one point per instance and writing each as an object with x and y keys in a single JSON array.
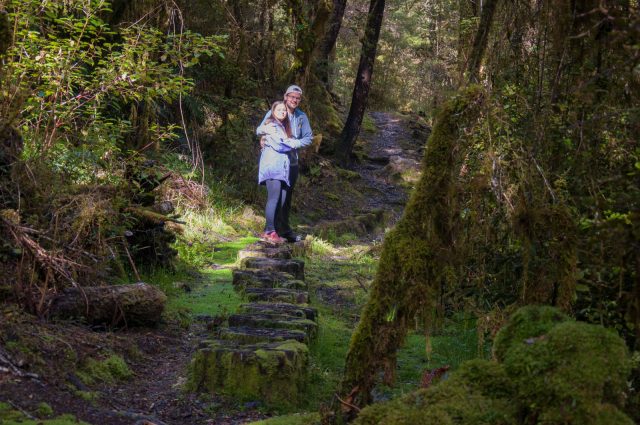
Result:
[{"x": 262, "y": 354}]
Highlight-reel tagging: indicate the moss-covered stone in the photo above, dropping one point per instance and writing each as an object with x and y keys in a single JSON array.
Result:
[
  {"x": 274, "y": 321},
  {"x": 277, "y": 295},
  {"x": 250, "y": 335},
  {"x": 263, "y": 250},
  {"x": 272, "y": 372},
  {"x": 571, "y": 373},
  {"x": 286, "y": 308},
  {"x": 249, "y": 278},
  {"x": 563, "y": 375},
  {"x": 528, "y": 322},
  {"x": 467, "y": 398},
  {"x": 293, "y": 267}
]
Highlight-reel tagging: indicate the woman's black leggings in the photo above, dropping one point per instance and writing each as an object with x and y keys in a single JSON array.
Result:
[{"x": 276, "y": 197}]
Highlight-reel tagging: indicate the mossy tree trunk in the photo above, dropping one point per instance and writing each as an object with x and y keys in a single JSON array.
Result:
[
  {"x": 328, "y": 42},
  {"x": 418, "y": 254}
]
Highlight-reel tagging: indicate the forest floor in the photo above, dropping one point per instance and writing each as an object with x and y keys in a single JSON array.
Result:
[{"x": 349, "y": 208}]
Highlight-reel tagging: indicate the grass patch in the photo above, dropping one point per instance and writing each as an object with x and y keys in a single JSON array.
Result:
[
  {"x": 327, "y": 356},
  {"x": 214, "y": 297}
]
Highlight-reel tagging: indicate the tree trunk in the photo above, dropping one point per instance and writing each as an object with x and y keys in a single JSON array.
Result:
[
  {"x": 329, "y": 40},
  {"x": 363, "y": 81},
  {"x": 139, "y": 304},
  {"x": 480, "y": 41}
]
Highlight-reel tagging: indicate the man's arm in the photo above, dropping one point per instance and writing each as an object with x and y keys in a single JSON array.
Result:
[{"x": 306, "y": 135}]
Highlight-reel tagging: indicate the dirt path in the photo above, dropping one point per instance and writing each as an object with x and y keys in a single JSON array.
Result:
[{"x": 393, "y": 149}]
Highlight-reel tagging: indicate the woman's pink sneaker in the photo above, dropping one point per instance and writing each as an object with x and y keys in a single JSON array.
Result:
[{"x": 272, "y": 237}]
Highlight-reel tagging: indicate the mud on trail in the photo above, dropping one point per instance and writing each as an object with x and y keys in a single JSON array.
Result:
[{"x": 362, "y": 201}]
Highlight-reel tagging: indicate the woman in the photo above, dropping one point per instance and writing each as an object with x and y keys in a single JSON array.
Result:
[{"x": 274, "y": 166}]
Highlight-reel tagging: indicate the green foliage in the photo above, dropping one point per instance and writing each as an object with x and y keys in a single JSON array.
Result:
[{"x": 74, "y": 78}]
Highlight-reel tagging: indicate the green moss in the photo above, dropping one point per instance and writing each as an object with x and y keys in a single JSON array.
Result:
[
  {"x": 527, "y": 322},
  {"x": 43, "y": 409},
  {"x": 89, "y": 396},
  {"x": 8, "y": 416},
  {"x": 109, "y": 370},
  {"x": 272, "y": 372},
  {"x": 563, "y": 374}
]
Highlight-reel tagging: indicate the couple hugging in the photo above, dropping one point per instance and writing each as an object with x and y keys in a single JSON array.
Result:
[{"x": 283, "y": 131}]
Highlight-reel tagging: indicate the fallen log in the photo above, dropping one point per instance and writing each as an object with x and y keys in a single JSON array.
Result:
[{"x": 138, "y": 304}]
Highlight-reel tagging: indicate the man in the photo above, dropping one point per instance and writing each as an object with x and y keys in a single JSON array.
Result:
[{"x": 301, "y": 130}]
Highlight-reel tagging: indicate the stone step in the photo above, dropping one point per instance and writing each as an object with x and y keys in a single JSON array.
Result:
[
  {"x": 249, "y": 335},
  {"x": 274, "y": 321},
  {"x": 273, "y": 372},
  {"x": 293, "y": 267},
  {"x": 265, "y": 250},
  {"x": 286, "y": 308},
  {"x": 253, "y": 278},
  {"x": 276, "y": 295}
]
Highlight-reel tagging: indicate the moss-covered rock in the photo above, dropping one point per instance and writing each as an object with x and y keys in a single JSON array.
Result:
[
  {"x": 274, "y": 321},
  {"x": 249, "y": 278},
  {"x": 250, "y": 335},
  {"x": 527, "y": 322},
  {"x": 279, "y": 295},
  {"x": 477, "y": 394},
  {"x": 286, "y": 308},
  {"x": 263, "y": 250},
  {"x": 272, "y": 372},
  {"x": 293, "y": 267},
  {"x": 555, "y": 371},
  {"x": 564, "y": 375}
]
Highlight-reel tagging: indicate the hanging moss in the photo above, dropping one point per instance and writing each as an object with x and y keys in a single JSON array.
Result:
[{"x": 415, "y": 255}]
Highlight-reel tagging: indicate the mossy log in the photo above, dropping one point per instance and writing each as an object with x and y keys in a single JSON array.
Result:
[
  {"x": 249, "y": 278},
  {"x": 251, "y": 335},
  {"x": 138, "y": 304},
  {"x": 276, "y": 295},
  {"x": 293, "y": 267},
  {"x": 272, "y": 372},
  {"x": 291, "y": 309}
]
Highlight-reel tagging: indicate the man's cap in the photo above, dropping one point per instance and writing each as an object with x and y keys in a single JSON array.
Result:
[{"x": 293, "y": 89}]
